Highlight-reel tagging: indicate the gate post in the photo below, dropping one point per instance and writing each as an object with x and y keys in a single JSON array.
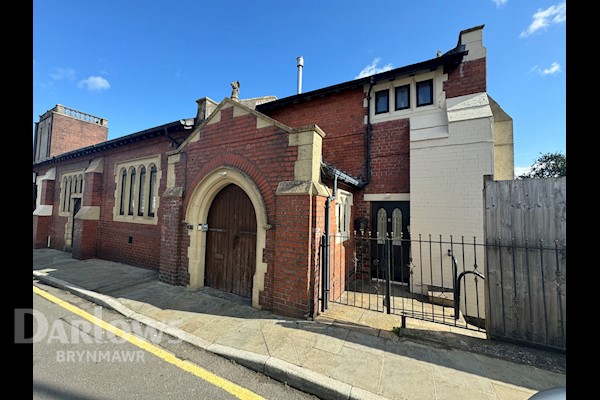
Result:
[{"x": 388, "y": 281}]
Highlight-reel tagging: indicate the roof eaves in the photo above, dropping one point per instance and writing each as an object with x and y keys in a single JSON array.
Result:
[
  {"x": 117, "y": 142},
  {"x": 449, "y": 58}
]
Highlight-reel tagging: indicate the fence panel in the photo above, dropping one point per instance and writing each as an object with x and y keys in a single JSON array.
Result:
[{"x": 526, "y": 250}]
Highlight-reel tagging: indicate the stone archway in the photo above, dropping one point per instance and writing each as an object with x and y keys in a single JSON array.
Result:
[{"x": 197, "y": 215}]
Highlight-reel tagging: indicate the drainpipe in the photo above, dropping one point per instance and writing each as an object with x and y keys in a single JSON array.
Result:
[
  {"x": 325, "y": 285},
  {"x": 368, "y": 137},
  {"x": 35, "y": 189}
]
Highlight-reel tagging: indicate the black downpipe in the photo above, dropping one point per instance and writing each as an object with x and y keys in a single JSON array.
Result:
[
  {"x": 368, "y": 137},
  {"x": 325, "y": 286},
  {"x": 35, "y": 189},
  {"x": 326, "y": 266},
  {"x": 171, "y": 138}
]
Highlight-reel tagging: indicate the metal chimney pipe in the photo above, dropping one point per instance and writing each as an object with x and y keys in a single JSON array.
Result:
[{"x": 300, "y": 64}]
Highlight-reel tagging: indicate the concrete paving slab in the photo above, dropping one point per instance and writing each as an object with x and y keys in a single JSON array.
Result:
[
  {"x": 320, "y": 361},
  {"x": 345, "y": 353},
  {"x": 358, "y": 368},
  {"x": 509, "y": 392},
  {"x": 448, "y": 390}
]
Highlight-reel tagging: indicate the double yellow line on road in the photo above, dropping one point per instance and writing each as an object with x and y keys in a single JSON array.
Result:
[{"x": 230, "y": 387}]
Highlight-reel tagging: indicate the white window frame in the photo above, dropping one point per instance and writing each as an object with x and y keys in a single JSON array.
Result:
[{"x": 343, "y": 215}]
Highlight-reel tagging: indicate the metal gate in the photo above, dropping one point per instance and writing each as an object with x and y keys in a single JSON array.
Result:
[{"x": 436, "y": 280}]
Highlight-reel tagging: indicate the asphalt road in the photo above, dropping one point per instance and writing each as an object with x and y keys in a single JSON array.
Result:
[{"x": 74, "y": 358}]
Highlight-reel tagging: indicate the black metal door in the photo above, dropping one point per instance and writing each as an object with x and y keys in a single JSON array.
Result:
[{"x": 388, "y": 220}]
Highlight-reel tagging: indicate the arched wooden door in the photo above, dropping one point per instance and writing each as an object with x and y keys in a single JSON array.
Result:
[{"x": 231, "y": 242}]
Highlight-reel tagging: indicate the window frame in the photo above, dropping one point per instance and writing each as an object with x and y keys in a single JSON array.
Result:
[
  {"x": 141, "y": 195},
  {"x": 343, "y": 214},
  {"x": 152, "y": 190},
  {"x": 396, "y": 89},
  {"x": 131, "y": 203},
  {"x": 387, "y": 106},
  {"x": 72, "y": 185},
  {"x": 136, "y": 190},
  {"x": 418, "y": 85}
]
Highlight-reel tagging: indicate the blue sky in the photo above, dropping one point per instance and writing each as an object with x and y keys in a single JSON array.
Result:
[{"x": 141, "y": 64}]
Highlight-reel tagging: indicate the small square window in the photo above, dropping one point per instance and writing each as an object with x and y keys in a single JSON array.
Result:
[
  {"x": 425, "y": 93},
  {"x": 403, "y": 97},
  {"x": 382, "y": 101}
]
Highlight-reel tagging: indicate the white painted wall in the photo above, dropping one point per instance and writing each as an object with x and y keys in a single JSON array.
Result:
[{"x": 446, "y": 185}]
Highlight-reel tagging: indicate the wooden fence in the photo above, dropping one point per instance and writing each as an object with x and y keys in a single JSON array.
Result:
[{"x": 526, "y": 259}]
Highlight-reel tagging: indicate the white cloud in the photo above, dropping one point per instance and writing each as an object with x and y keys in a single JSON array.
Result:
[
  {"x": 63, "y": 73},
  {"x": 95, "y": 83},
  {"x": 500, "y": 3},
  {"x": 372, "y": 69},
  {"x": 552, "y": 70},
  {"x": 555, "y": 14},
  {"x": 521, "y": 170}
]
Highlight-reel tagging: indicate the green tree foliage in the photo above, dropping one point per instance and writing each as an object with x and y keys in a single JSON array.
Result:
[{"x": 548, "y": 165}]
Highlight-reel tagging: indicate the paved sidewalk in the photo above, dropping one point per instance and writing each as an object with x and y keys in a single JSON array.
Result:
[{"x": 341, "y": 355}]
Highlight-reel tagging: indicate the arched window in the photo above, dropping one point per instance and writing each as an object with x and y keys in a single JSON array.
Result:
[
  {"x": 69, "y": 193},
  {"x": 80, "y": 189},
  {"x": 136, "y": 187},
  {"x": 131, "y": 191},
  {"x": 397, "y": 227},
  {"x": 381, "y": 226},
  {"x": 339, "y": 214},
  {"x": 65, "y": 197},
  {"x": 122, "y": 197},
  {"x": 141, "y": 196},
  {"x": 152, "y": 191}
]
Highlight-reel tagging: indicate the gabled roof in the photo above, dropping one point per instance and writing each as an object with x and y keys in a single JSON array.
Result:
[
  {"x": 227, "y": 102},
  {"x": 447, "y": 60}
]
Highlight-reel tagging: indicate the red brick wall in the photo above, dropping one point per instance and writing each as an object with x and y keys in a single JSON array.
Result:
[
  {"x": 341, "y": 116},
  {"x": 170, "y": 240},
  {"x": 113, "y": 236},
  {"x": 84, "y": 239},
  {"x": 291, "y": 278},
  {"x": 85, "y": 232},
  {"x": 262, "y": 154},
  {"x": 70, "y": 133},
  {"x": 390, "y": 157},
  {"x": 47, "y": 192},
  {"x": 468, "y": 78},
  {"x": 57, "y": 223},
  {"x": 41, "y": 228}
]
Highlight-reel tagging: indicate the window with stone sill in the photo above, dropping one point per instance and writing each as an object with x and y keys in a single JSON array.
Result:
[
  {"x": 136, "y": 193},
  {"x": 71, "y": 185}
]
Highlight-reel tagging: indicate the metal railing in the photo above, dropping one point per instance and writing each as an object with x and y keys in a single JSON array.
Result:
[{"x": 487, "y": 286}]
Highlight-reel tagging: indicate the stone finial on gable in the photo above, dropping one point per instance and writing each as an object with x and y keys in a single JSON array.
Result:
[{"x": 235, "y": 90}]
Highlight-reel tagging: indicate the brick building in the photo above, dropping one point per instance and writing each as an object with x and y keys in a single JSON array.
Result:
[{"x": 240, "y": 197}]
